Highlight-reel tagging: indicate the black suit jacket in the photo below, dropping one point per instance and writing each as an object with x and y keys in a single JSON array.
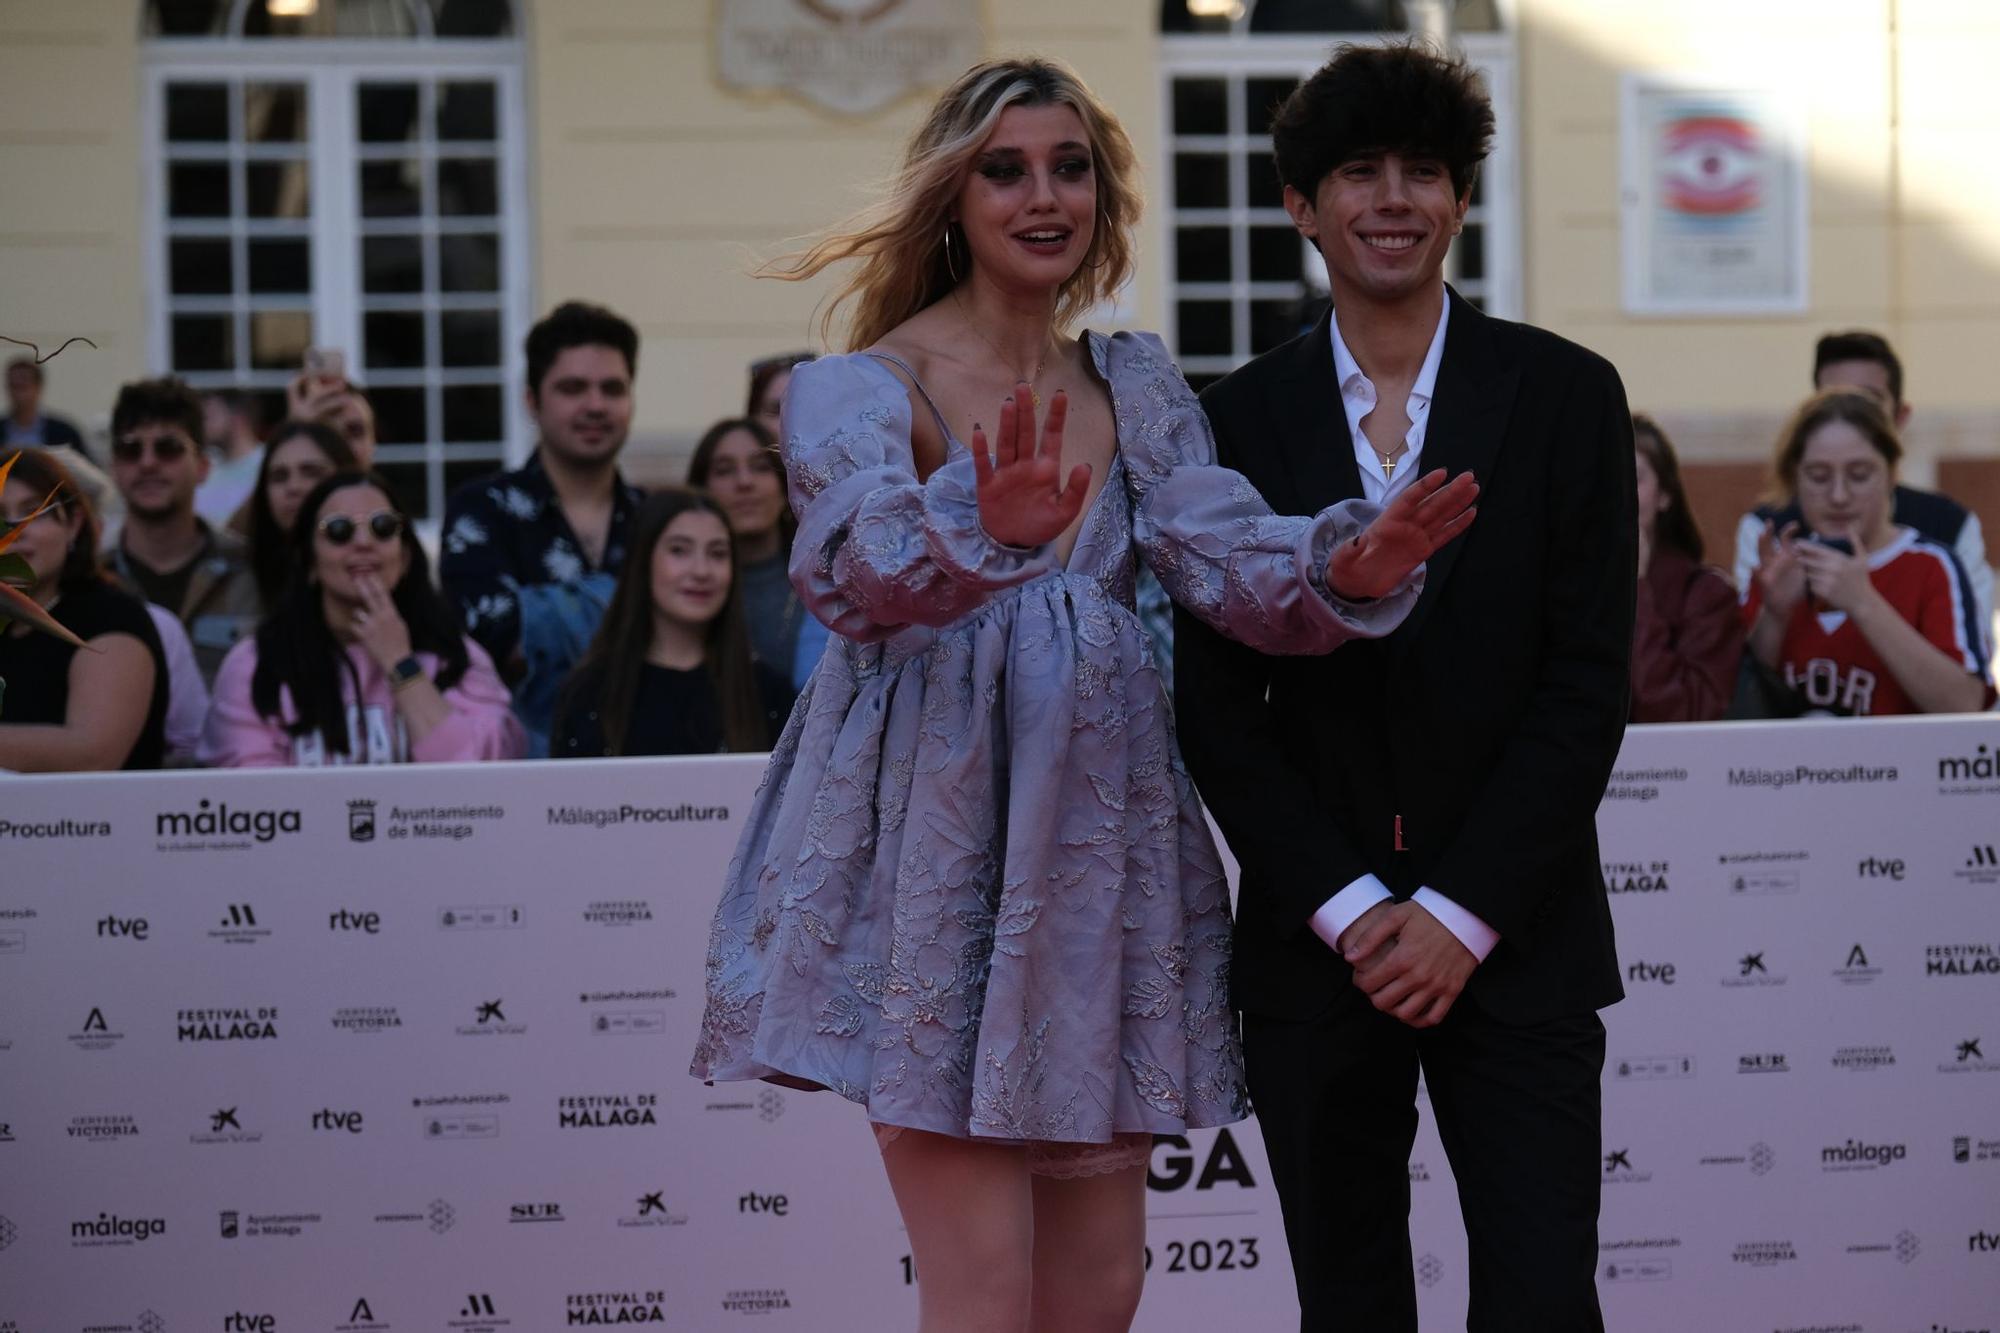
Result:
[{"x": 1489, "y": 720}]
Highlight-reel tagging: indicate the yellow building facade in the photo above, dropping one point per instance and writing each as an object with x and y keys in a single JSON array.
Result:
[{"x": 589, "y": 149}]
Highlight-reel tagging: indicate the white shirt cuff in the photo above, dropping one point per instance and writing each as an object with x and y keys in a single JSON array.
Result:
[
  {"x": 1342, "y": 910},
  {"x": 1473, "y": 933}
]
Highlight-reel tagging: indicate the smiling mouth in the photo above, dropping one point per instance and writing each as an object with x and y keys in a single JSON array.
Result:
[
  {"x": 1049, "y": 238},
  {"x": 1391, "y": 242}
]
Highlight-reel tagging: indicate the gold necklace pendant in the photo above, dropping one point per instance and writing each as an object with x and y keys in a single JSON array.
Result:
[{"x": 1040, "y": 362}]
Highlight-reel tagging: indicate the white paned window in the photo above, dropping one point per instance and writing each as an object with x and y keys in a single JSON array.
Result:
[{"x": 347, "y": 179}]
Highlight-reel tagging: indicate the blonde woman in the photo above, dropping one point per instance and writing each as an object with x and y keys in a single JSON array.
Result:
[{"x": 975, "y": 893}]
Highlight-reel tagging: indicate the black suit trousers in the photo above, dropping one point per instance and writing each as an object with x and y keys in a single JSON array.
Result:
[{"x": 1517, "y": 1108}]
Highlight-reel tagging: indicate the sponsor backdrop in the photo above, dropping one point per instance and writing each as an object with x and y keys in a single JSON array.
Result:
[{"x": 404, "y": 1049}]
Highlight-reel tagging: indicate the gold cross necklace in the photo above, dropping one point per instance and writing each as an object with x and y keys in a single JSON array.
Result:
[
  {"x": 1390, "y": 459},
  {"x": 1039, "y": 361}
]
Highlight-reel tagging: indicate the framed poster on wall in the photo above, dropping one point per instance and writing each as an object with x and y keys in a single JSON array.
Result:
[{"x": 1713, "y": 197}]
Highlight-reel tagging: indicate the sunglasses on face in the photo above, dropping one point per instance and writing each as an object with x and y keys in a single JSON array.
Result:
[
  {"x": 339, "y": 529},
  {"x": 167, "y": 448}
]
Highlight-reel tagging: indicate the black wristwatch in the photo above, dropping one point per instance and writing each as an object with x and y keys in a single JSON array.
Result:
[{"x": 405, "y": 671}]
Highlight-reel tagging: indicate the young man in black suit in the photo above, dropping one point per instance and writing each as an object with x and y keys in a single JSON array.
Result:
[{"x": 1414, "y": 816}]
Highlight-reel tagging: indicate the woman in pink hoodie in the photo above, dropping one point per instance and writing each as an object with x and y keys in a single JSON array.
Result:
[{"x": 360, "y": 661}]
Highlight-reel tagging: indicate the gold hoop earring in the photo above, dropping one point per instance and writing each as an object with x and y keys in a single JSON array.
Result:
[{"x": 948, "y": 266}]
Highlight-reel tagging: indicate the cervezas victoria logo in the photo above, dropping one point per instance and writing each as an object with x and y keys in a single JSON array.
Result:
[
  {"x": 102, "y": 1128},
  {"x": 220, "y": 826}
]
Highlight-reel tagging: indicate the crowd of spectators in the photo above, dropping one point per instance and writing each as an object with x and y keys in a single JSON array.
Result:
[
  {"x": 265, "y": 600},
  {"x": 1853, "y": 595}
]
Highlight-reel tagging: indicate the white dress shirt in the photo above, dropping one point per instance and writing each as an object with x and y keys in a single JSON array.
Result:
[{"x": 1357, "y": 399}]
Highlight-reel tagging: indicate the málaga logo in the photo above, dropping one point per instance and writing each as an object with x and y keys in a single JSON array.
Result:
[
  {"x": 1969, "y": 774},
  {"x": 220, "y": 825}
]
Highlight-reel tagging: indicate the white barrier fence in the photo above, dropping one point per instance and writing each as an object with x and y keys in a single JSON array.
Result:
[{"x": 389, "y": 1050}]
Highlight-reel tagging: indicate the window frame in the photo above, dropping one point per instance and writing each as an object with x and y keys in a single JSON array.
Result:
[
  {"x": 1237, "y": 55},
  {"x": 331, "y": 70}
]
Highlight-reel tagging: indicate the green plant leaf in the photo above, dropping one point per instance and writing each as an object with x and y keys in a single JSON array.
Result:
[{"x": 16, "y": 570}]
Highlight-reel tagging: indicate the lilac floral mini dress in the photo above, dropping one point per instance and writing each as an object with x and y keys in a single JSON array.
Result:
[{"x": 975, "y": 892}]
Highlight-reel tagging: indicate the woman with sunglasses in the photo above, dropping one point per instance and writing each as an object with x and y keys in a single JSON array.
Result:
[
  {"x": 66, "y": 710},
  {"x": 360, "y": 661},
  {"x": 300, "y": 456}
]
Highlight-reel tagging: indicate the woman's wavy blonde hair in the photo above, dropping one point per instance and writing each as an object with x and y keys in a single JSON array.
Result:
[{"x": 900, "y": 240}]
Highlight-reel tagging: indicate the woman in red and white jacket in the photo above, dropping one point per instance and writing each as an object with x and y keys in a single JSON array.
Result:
[
  {"x": 360, "y": 661},
  {"x": 1857, "y": 616}
]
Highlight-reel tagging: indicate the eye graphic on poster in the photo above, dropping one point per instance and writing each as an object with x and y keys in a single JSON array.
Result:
[
  {"x": 1714, "y": 199},
  {"x": 1712, "y": 166}
]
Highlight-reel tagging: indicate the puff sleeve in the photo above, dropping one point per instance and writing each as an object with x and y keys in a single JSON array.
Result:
[
  {"x": 877, "y": 550},
  {"x": 1210, "y": 537}
]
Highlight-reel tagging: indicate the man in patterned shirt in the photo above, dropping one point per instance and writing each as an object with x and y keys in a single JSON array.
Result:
[{"x": 530, "y": 556}]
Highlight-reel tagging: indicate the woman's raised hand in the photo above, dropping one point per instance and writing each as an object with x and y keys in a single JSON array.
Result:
[
  {"x": 378, "y": 625},
  {"x": 1416, "y": 523},
  {"x": 1022, "y": 501}
]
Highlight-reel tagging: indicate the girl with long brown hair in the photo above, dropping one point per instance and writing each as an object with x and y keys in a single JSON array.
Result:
[{"x": 670, "y": 671}]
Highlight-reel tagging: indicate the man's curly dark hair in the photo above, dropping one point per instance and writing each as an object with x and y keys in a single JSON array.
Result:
[{"x": 1383, "y": 99}]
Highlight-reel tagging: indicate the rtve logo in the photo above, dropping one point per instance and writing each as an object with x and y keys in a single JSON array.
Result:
[
  {"x": 238, "y": 1322},
  {"x": 117, "y": 927},
  {"x": 368, "y": 923},
  {"x": 1983, "y": 1242},
  {"x": 753, "y": 1202},
  {"x": 1642, "y": 970},
  {"x": 1878, "y": 868},
  {"x": 335, "y": 1121}
]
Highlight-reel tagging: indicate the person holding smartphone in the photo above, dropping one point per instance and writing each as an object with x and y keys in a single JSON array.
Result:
[
  {"x": 1856, "y": 615},
  {"x": 322, "y": 392}
]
